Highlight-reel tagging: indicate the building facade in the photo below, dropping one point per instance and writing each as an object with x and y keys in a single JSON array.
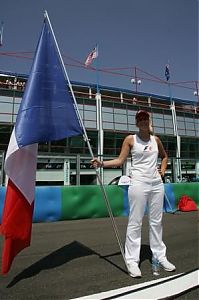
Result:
[{"x": 108, "y": 118}]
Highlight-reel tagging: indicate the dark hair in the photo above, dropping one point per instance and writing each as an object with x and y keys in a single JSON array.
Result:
[
  {"x": 142, "y": 112},
  {"x": 145, "y": 113}
]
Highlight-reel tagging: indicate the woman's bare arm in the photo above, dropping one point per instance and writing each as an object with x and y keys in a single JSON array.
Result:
[
  {"x": 117, "y": 162},
  {"x": 163, "y": 155}
]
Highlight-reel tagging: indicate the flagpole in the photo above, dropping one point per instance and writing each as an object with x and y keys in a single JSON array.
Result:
[
  {"x": 1, "y": 34},
  {"x": 97, "y": 68},
  {"x": 89, "y": 146},
  {"x": 175, "y": 128}
]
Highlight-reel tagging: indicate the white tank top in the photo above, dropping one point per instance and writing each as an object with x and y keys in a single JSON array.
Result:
[{"x": 144, "y": 157}]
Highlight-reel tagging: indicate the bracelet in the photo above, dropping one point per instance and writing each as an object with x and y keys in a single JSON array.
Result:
[{"x": 102, "y": 164}]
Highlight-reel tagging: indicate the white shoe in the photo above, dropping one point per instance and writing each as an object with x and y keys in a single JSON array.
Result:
[
  {"x": 167, "y": 266},
  {"x": 134, "y": 270}
]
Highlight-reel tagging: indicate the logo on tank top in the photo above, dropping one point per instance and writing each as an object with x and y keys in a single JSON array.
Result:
[{"x": 147, "y": 148}]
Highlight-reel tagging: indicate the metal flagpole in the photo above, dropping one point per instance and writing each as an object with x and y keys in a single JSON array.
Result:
[
  {"x": 175, "y": 127},
  {"x": 89, "y": 147}
]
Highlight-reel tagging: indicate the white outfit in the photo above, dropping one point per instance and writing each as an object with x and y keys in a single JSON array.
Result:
[{"x": 146, "y": 187}]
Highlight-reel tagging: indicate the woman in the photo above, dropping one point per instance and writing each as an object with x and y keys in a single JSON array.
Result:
[{"x": 146, "y": 188}]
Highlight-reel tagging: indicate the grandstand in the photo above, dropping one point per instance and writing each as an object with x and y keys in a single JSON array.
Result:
[{"x": 67, "y": 162}]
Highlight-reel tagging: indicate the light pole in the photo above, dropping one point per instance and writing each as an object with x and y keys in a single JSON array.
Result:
[
  {"x": 196, "y": 92},
  {"x": 135, "y": 80}
]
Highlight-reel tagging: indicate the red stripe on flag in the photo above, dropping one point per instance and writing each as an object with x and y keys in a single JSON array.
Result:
[{"x": 16, "y": 225}]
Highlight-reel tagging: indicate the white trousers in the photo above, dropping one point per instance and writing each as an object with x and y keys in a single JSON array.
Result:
[{"x": 139, "y": 195}]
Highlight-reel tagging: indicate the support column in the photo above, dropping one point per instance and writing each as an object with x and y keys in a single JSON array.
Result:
[
  {"x": 100, "y": 144},
  {"x": 78, "y": 169},
  {"x": 175, "y": 130}
]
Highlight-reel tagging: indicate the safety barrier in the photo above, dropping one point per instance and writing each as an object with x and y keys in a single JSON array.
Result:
[{"x": 55, "y": 203}]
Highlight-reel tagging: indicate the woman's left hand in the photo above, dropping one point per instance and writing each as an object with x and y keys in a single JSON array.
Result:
[{"x": 161, "y": 172}]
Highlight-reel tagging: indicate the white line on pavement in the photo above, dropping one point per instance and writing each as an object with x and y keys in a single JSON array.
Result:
[{"x": 151, "y": 290}]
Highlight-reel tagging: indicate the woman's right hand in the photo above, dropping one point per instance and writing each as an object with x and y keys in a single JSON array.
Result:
[{"x": 96, "y": 163}]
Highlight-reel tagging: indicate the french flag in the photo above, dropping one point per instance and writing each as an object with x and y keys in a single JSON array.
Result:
[{"x": 48, "y": 112}]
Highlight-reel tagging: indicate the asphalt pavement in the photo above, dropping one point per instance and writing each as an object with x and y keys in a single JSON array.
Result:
[{"x": 71, "y": 259}]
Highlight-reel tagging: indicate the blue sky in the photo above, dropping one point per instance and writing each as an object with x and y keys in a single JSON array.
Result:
[{"x": 130, "y": 33}]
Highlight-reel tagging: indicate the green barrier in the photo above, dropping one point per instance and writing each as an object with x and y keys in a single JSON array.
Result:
[
  {"x": 190, "y": 189},
  {"x": 83, "y": 202},
  {"x": 79, "y": 202}
]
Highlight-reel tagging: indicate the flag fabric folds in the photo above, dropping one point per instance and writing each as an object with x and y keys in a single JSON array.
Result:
[
  {"x": 92, "y": 55},
  {"x": 47, "y": 112},
  {"x": 1, "y": 34},
  {"x": 167, "y": 72}
]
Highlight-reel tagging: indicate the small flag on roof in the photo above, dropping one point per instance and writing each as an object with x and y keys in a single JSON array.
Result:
[
  {"x": 167, "y": 73},
  {"x": 92, "y": 55}
]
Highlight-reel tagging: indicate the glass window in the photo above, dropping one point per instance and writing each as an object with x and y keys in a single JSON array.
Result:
[
  {"x": 168, "y": 123},
  {"x": 131, "y": 120},
  {"x": 120, "y": 111},
  {"x": 80, "y": 106},
  {"x": 132, "y": 128},
  {"x": 181, "y": 132},
  {"x": 189, "y": 125},
  {"x": 107, "y": 109},
  {"x": 81, "y": 113},
  {"x": 158, "y": 130},
  {"x": 89, "y": 115},
  {"x": 120, "y": 126},
  {"x": 181, "y": 125},
  {"x": 158, "y": 122},
  {"x": 180, "y": 118},
  {"x": 168, "y": 130},
  {"x": 167, "y": 117},
  {"x": 90, "y": 107},
  {"x": 45, "y": 147},
  {"x": 118, "y": 142},
  {"x": 189, "y": 147},
  {"x": 109, "y": 143},
  {"x": 5, "y": 133},
  {"x": 107, "y": 117},
  {"x": 190, "y": 132},
  {"x": 120, "y": 118},
  {"x": 132, "y": 113},
  {"x": 188, "y": 120},
  {"x": 90, "y": 124},
  {"x": 107, "y": 125}
]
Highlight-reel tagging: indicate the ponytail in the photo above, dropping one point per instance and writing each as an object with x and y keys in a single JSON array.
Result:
[{"x": 151, "y": 131}]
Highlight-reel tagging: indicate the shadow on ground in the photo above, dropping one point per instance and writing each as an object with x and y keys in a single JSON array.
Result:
[{"x": 56, "y": 258}]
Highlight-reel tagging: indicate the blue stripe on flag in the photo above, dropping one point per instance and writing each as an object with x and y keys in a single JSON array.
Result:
[{"x": 47, "y": 110}]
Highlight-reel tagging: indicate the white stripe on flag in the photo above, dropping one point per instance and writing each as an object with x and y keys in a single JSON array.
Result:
[
  {"x": 20, "y": 167},
  {"x": 91, "y": 56}
]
